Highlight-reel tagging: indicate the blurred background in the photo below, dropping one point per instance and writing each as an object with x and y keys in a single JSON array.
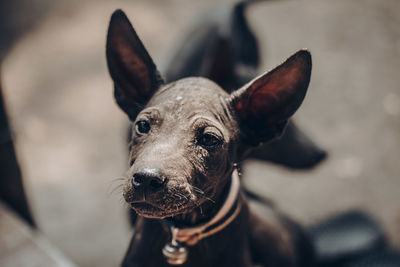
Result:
[{"x": 70, "y": 136}]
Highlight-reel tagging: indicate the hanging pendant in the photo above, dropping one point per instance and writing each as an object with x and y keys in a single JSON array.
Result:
[{"x": 175, "y": 253}]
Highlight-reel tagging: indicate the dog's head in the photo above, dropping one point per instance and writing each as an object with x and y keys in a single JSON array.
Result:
[{"x": 187, "y": 135}]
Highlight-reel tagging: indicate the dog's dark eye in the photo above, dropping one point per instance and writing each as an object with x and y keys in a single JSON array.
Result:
[
  {"x": 142, "y": 127},
  {"x": 209, "y": 141}
]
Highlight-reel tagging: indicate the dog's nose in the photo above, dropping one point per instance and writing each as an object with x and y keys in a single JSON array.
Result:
[{"x": 149, "y": 178}]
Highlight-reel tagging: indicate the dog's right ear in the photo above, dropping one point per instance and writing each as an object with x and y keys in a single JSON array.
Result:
[
  {"x": 264, "y": 105},
  {"x": 135, "y": 76}
]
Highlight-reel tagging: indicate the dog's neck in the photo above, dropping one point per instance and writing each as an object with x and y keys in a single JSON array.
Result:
[{"x": 209, "y": 209}]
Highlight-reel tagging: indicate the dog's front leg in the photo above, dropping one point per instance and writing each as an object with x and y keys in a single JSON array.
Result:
[{"x": 146, "y": 245}]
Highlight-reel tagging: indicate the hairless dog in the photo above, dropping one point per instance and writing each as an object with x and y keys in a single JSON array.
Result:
[{"x": 187, "y": 138}]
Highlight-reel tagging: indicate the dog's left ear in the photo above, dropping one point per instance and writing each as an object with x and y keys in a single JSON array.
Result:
[
  {"x": 264, "y": 105},
  {"x": 135, "y": 76}
]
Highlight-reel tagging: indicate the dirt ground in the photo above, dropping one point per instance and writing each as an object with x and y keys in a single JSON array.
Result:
[{"x": 70, "y": 135}]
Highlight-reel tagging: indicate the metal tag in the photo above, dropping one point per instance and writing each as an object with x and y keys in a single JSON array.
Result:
[{"x": 175, "y": 253}]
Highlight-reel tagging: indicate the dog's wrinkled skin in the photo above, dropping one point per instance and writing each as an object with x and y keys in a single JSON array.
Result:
[
  {"x": 187, "y": 137},
  {"x": 194, "y": 174}
]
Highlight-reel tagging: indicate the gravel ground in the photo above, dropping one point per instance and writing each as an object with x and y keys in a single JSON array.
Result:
[{"x": 71, "y": 136}]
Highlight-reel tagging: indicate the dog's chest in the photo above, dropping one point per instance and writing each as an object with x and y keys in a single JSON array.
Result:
[{"x": 227, "y": 248}]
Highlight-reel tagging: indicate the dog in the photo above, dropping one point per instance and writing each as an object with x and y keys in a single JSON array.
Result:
[{"x": 187, "y": 138}]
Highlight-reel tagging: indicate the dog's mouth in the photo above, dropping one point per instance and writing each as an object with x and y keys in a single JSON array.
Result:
[
  {"x": 172, "y": 201},
  {"x": 146, "y": 210},
  {"x": 161, "y": 210}
]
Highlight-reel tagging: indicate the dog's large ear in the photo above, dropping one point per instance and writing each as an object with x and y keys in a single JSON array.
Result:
[
  {"x": 264, "y": 105},
  {"x": 135, "y": 75}
]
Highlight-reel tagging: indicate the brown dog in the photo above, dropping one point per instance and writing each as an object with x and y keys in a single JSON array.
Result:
[{"x": 187, "y": 137}]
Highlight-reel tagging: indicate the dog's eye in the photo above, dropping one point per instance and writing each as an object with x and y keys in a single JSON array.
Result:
[
  {"x": 142, "y": 127},
  {"x": 209, "y": 141}
]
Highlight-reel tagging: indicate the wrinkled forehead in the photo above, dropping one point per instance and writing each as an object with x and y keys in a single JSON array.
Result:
[{"x": 190, "y": 96}]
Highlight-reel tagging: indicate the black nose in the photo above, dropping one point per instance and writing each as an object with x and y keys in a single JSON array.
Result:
[{"x": 149, "y": 178}]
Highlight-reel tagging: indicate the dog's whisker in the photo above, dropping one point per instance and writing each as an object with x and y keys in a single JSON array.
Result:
[
  {"x": 122, "y": 178},
  {"x": 202, "y": 194},
  {"x": 117, "y": 188},
  {"x": 198, "y": 190},
  {"x": 183, "y": 196},
  {"x": 119, "y": 178},
  {"x": 209, "y": 199},
  {"x": 178, "y": 195}
]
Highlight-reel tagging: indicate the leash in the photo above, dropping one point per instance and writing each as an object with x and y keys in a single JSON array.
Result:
[{"x": 176, "y": 251}]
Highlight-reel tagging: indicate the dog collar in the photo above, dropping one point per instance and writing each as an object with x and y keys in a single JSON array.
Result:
[{"x": 176, "y": 251}]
